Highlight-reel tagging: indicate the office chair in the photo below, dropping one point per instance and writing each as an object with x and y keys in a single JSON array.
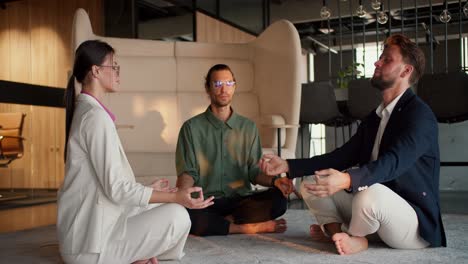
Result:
[
  {"x": 446, "y": 94},
  {"x": 318, "y": 106},
  {"x": 11, "y": 140},
  {"x": 362, "y": 98}
]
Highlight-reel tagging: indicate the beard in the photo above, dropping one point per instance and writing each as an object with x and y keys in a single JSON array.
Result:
[
  {"x": 220, "y": 103},
  {"x": 381, "y": 84}
]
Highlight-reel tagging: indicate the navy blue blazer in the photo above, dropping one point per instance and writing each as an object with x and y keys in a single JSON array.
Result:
[{"x": 408, "y": 161}]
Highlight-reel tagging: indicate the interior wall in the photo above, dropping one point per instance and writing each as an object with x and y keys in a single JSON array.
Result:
[
  {"x": 212, "y": 30},
  {"x": 35, "y": 48}
]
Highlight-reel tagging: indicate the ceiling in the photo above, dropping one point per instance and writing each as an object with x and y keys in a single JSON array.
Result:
[
  {"x": 409, "y": 20},
  {"x": 174, "y": 16}
]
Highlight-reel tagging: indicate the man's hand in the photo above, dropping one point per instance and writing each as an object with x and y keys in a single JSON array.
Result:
[
  {"x": 285, "y": 185},
  {"x": 272, "y": 165},
  {"x": 162, "y": 185},
  {"x": 184, "y": 197},
  {"x": 328, "y": 182}
]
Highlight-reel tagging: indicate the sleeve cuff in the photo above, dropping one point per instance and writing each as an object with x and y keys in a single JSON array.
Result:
[
  {"x": 293, "y": 171},
  {"x": 146, "y": 196},
  {"x": 356, "y": 175}
]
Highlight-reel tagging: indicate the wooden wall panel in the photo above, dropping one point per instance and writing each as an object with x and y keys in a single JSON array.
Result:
[
  {"x": 21, "y": 173},
  {"x": 35, "y": 47},
  {"x": 20, "y": 41},
  {"x": 212, "y": 30},
  {"x": 4, "y": 45},
  {"x": 20, "y": 71},
  {"x": 5, "y": 173},
  {"x": 43, "y": 42},
  {"x": 43, "y": 167},
  {"x": 59, "y": 115},
  {"x": 43, "y": 59}
]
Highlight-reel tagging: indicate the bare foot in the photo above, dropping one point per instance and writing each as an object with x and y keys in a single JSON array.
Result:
[
  {"x": 347, "y": 245},
  {"x": 272, "y": 226},
  {"x": 317, "y": 234},
  {"x": 147, "y": 261},
  {"x": 280, "y": 226}
]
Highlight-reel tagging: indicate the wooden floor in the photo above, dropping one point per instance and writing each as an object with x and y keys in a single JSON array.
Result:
[{"x": 28, "y": 217}]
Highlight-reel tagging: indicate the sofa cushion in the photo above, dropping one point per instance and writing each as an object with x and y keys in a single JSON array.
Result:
[
  {"x": 147, "y": 167},
  {"x": 154, "y": 118},
  {"x": 191, "y": 104},
  {"x": 213, "y": 50},
  {"x": 141, "y": 47},
  {"x": 147, "y": 74},
  {"x": 191, "y": 73}
]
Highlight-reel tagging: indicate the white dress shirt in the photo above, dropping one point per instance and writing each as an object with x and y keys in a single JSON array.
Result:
[{"x": 384, "y": 114}]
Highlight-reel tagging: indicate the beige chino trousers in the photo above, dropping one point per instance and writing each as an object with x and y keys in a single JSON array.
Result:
[{"x": 375, "y": 210}]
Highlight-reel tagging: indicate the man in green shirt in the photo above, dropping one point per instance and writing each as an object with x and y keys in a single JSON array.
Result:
[{"x": 219, "y": 150}]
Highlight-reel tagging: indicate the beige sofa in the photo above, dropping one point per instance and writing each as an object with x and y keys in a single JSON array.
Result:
[{"x": 162, "y": 86}]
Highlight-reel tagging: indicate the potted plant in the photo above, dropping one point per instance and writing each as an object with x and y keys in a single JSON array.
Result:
[{"x": 346, "y": 74}]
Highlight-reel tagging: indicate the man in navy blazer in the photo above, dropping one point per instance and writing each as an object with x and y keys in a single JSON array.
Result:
[{"x": 385, "y": 179}]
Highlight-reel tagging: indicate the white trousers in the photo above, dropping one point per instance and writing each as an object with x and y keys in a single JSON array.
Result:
[
  {"x": 156, "y": 231},
  {"x": 375, "y": 210}
]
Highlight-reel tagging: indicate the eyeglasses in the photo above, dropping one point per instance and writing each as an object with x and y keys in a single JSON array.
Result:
[
  {"x": 219, "y": 84},
  {"x": 116, "y": 68}
]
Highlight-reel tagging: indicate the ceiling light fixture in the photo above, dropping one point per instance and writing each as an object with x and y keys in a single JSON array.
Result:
[
  {"x": 376, "y": 5},
  {"x": 361, "y": 11},
  {"x": 382, "y": 17},
  {"x": 325, "y": 12}
]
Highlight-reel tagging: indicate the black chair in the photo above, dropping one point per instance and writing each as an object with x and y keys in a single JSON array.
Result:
[
  {"x": 447, "y": 96},
  {"x": 362, "y": 98},
  {"x": 318, "y": 106}
]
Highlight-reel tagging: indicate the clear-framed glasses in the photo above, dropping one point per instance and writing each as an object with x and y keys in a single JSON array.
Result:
[
  {"x": 115, "y": 68},
  {"x": 219, "y": 84}
]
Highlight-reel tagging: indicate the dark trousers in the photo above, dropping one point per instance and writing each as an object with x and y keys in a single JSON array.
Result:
[{"x": 255, "y": 208}]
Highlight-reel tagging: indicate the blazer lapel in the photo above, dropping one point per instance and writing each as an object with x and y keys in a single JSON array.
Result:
[{"x": 395, "y": 119}]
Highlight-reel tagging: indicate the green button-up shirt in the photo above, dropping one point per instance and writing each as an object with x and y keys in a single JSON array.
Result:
[{"x": 222, "y": 157}]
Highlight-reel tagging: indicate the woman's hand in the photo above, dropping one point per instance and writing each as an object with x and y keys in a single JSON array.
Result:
[
  {"x": 162, "y": 185},
  {"x": 184, "y": 197}
]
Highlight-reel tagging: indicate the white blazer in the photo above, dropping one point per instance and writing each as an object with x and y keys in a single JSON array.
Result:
[{"x": 99, "y": 185}]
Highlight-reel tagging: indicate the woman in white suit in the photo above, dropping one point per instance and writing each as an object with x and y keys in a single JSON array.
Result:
[{"x": 104, "y": 215}]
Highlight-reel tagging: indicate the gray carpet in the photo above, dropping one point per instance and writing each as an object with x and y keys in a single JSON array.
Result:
[{"x": 40, "y": 246}]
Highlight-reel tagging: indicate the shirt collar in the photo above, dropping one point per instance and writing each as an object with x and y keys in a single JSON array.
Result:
[
  {"x": 389, "y": 109},
  {"x": 111, "y": 115},
  {"x": 218, "y": 123}
]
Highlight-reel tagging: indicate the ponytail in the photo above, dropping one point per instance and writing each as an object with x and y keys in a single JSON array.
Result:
[
  {"x": 70, "y": 109},
  {"x": 89, "y": 53}
]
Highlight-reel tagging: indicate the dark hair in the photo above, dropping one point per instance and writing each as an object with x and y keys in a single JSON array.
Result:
[
  {"x": 89, "y": 53},
  {"x": 217, "y": 67},
  {"x": 411, "y": 54}
]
